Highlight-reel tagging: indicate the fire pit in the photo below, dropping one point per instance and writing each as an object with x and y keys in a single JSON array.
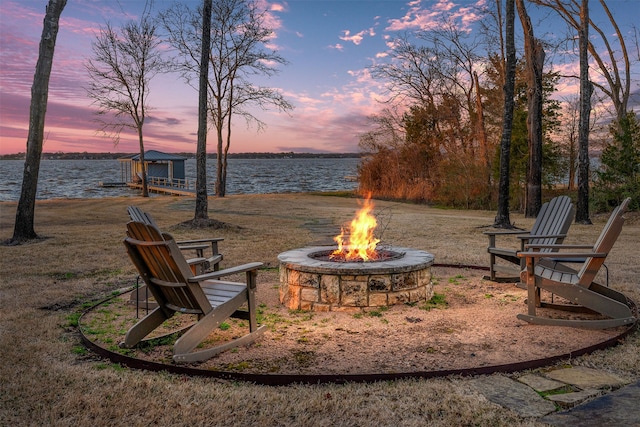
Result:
[
  {"x": 355, "y": 274},
  {"x": 309, "y": 282}
]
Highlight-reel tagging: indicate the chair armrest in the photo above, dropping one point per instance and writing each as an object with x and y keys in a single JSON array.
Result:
[
  {"x": 561, "y": 255},
  {"x": 505, "y": 232},
  {"x": 227, "y": 271},
  {"x": 492, "y": 235},
  {"x": 198, "y": 260},
  {"x": 192, "y": 247},
  {"x": 557, "y": 246},
  {"x": 541, "y": 236},
  {"x": 194, "y": 241}
]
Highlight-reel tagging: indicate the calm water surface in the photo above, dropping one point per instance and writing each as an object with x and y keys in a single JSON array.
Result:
[{"x": 81, "y": 178}]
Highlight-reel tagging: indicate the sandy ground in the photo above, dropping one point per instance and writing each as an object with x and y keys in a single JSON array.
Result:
[{"x": 475, "y": 327}]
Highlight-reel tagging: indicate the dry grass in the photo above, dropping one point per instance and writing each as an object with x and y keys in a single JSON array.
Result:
[{"x": 47, "y": 379}]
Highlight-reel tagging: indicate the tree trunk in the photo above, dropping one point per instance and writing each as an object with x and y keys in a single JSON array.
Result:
[
  {"x": 145, "y": 184},
  {"x": 225, "y": 160},
  {"x": 534, "y": 122},
  {"x": 482, "y": 138},
  {"x": 534, "y": 54},
  {"x": 586, "y": 89},
  {"x": 24, "y": 225},
  {"x": 202, "y": 201},
  {"x": 502, "y": 217},
  {"x": 220, "y": 159}
]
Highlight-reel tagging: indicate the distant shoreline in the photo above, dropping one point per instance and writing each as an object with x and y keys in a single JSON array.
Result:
[{"x": 108, "y": 156}]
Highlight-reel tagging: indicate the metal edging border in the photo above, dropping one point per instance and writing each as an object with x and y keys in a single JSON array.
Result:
[{"x": 288, "y": 379}]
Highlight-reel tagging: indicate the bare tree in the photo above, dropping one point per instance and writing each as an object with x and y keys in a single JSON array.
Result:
[
  {"x": 124, "y": 62},
  {"x": 586, "y": 89},
  {"x": 202, "y": 200},
  {"x": 613, "y": 63},
  {"x": 239, "y": 35},
  {"x": 534, "y": 54},
  {"x": 571, "y": 140},
  {"x": 502, "y": 217},
  {"x": 24, "y": 224},
  {"x": 458, "y": 53}
]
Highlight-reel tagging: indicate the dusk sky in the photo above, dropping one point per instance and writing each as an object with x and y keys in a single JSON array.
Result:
[{"x": 329, "y": 46}]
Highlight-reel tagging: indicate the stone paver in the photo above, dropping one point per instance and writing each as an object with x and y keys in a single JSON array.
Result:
[
  {"x": 540, "y": 384},
  {"x": 568, "y": 400},
  {"x": 619, "y": 408},
  {"x": 586, "y": 378},
  {"x": 513, "y": 395}
]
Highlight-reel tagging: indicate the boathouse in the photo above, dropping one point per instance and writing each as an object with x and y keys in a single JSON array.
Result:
[
  {"x": 165, "y": 167},
  {"x": 165, "y": 172}
]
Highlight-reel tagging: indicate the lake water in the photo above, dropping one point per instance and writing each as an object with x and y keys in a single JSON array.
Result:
[{"x": 81, "y": 178}]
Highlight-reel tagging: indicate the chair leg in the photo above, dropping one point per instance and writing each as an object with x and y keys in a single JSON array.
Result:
[
  {"x": 492, "y": 271},
  {"x": 575, "y": 323},
  {"x": 202, "y": 355},
  {"x": 251, "y": 299},
  {"x": 144, "y": 327},
  {"x": 205, "y": 326},
  {"x": 533, "y": 298},
  {"x": 590, "y": 298}
]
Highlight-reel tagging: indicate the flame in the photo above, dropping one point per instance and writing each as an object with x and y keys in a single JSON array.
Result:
[{"x": 360, "y": 244}]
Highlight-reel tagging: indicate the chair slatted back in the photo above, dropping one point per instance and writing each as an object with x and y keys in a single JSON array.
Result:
[
  {"x": 138, "y": 215},
  {"x": 165, "y": 271},
  {"x": 554, "y": 219},
  {"x": 604, "y": 244}
]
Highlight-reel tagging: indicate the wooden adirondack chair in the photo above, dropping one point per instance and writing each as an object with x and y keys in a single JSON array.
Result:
[
  {"x": 576, "y": 286},
  {"x": 199, "y": 264},
  {"x": 176, "y": 290},
  {"x": 551, "y": 227},
  {"x": 203, "y": 262}
]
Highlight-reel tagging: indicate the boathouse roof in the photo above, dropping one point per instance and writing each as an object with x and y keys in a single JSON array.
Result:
[{"x": 154, "y": 156}]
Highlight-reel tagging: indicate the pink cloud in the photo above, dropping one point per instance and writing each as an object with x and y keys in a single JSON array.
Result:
[
  {"x": 430, "y": 16},
  {"x": 358, "y": 37}
]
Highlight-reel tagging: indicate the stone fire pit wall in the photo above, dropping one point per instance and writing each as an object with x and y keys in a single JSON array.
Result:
[{"x": 311, "y": 284}]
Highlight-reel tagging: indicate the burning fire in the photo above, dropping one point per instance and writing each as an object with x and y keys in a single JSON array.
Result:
[{"x": 360, "y": 244}]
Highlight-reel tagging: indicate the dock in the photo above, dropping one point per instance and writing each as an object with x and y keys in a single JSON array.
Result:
[
  {"x": 176, "y": 187},
  {"x": 165, "y": 173},
  {"x": 107, "y": 184}
]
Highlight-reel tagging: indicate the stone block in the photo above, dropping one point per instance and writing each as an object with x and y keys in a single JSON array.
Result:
[
  {"x": 402, "y": 281},
  {"x": 282, "y": 291},
  {"x": 309, "y": 280},
  {"x": 292, "y": 277},
  {"x": 330, "y": 289},
  {"x": 306, "y": 305},
  {"x": 292, "y": 298},
  {"x": 321, "y": 307},
  {"x": 398, "y": 298},
  {"x": 418, "y": 294},
  {"x": 378, "y": 299},
  {"x": 379, "y": 283},
  {"x": 309, "y": 294},
  {"x": 424, "y": 277},
  {"x": 354, "y": 293},
  {"x": 428, "y": 291}
]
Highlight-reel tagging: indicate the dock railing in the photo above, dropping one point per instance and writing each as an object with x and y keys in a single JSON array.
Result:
[{"x": 166, "y": 182}]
